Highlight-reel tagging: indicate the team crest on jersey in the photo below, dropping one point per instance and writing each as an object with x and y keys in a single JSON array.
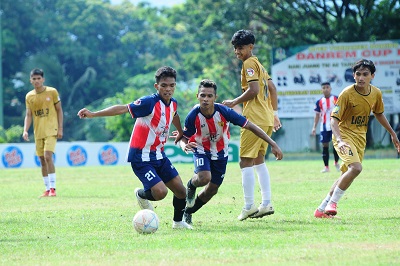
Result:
[
  {"x": 48, "y": 99},
  {"x": 250, "y": 72},
  {"x": 336, "y": 109},
  {"x": 137, "y": 102},
  {"x": 221, "y": 123}
]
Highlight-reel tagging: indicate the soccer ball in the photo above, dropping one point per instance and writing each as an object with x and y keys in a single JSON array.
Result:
[{"x": 145, "y": 221}]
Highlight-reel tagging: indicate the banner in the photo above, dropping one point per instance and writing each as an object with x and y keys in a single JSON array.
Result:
[
  {"x": 298, "y": 72},
  {"x": 75, "y": 154}
]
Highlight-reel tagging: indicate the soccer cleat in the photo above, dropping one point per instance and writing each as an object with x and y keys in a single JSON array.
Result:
[
  {"x": 263, "y": 211},
  {"x": 190, "y": 197},
  {"x": 181, "y": 225},
  {"x": 45, "y": 194},
  {"x": 52, "y": 192},
  {"x": 325, "y": 170},
  {"x": 187, "y": 217},
  {"x": 320, "y": 214},
  {"x": 247, "y": 213},
  {"x": 143, "y": 203},
  {"x": 337, "y": 167},
  {"x": 330, "y": 209}
]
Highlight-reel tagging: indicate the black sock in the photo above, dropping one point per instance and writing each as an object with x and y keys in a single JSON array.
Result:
[
  {"x": 190, "y": 185},
  {"x": 325, "y": 155},
  {"x": 336, "y": 155},
  {"x": 179, "y": 208},
  {"x": 149, "y": 196},
  {"x": 197, "y": 205}
]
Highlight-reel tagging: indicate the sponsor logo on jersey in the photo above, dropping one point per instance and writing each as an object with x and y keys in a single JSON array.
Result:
[
  {"x": 250, "y": 72},
  {"x": 137, "y": 102}
]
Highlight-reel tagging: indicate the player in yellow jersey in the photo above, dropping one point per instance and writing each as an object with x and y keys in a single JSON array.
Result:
[
  {"x": 349, "y": 121},
  {"x": 43, "y": 107},
  {"x": 260, "y": 105}
]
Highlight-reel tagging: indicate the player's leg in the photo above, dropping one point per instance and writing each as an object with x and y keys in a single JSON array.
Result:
[
  {"x": 248, "y": 152},
  {"x": 217, "y": 174},
  {"x": 201, "y": 177},
  {"x": 49, "y": 149},
  {"x": 153, "y": 187},
  {"x": 324, "y": 139},
  {"x": 39, "y": 144},
  {"x": 264, "y": 179},
  {"x": 353, "y": 167}
]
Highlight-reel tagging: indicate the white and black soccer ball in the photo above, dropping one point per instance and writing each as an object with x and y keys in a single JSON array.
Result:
[{"x": 145, "y": 221}]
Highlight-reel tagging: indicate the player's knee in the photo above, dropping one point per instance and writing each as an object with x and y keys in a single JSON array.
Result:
[
  {"x": 159, "y": 193},
  {"x": 356, "y": 168},
  {"x": 203, "y": 178}
]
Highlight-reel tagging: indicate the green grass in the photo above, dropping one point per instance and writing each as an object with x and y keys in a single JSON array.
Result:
[{"x": 90, "y": 220}]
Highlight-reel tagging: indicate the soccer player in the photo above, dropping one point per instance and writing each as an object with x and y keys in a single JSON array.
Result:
[
  {"x": 43, "y": 107},
  {"x": 349, "y": 121},
  {"x": 154, "y": 115},
  {"x": 206, "y": 133},
  {"x": 260, "y": 105},
  {"x": 323, "y": 109}
]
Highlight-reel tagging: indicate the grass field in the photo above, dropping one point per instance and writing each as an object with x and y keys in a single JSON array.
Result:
[{"x": 90, "y": 220}]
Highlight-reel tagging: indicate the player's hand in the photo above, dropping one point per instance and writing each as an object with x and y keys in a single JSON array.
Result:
[
  {"x": 85, "y": 113},
  {"x": 343, "y": 147},
  {"x": 229, "y": 103},
  {"x": 25, "y": 136},
  {"x": 60, "y": 133},
  {"x": 188, "y": 147},
  {"x": 313, "y": 132},
  {"x": 277, "y": 123},
  {"x": 176, "y": 135},
  {"x": 277, "y": 152},
  {"x": 396, "y": 143}
]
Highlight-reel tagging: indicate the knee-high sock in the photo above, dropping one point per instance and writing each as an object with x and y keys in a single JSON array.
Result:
[
  {"x": 197, "y": 205},
  {"x": 335, "y": 155},
  {"x": 179, "y": 208},
  {"x": 265, "y": 183},
  {"x": 248, "y": 186},
  {"x": 325, "y": 155}
]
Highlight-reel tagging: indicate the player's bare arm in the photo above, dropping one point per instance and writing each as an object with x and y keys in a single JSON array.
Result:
[
  {"x": 60, "y": 120},
  {"x": 176, "y": 121},
  {"x": 343, "y": 146},
  {"x": 261, "y": 134},
  {"x": 383, "y": 121},
  {"x": 316, "y": 120},
  {"x": 248, "y": 95},
  {"x": 109, "y": 111},
  {"x": 27, "y": 124},
  {"x": 274, "y": 102}
]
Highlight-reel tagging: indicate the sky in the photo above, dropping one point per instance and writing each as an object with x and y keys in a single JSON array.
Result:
[{"x": 152, "y": 2}]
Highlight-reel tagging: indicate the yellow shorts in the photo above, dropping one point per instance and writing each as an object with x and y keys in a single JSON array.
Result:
[
  {"x": 251, "y": 145},
  {"x": 353, "y": 155},
  {"x": 46, "y": 144}
]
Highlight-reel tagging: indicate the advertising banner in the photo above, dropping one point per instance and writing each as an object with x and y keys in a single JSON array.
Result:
[{"x": 298, "y": 72}]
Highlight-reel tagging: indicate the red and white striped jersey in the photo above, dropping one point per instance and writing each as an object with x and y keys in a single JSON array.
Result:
[
  {"x": 212, "y": 134},
  {"x": 151, "y": 129},
  {"x": 324, "y": 107}
]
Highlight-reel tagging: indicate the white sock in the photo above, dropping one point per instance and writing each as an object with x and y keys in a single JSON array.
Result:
[
  {"x": 248, "y": 186},
  {"x": 46, "y": 182},
  {"x": 321, "y": 207},
  {"x": 337, "y": 194},
  {"x": 52, "y": 178},
  {"x": 265, "y": 184}
]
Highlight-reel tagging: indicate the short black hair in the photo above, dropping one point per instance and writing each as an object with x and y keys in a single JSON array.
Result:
[
  {"x": 325, "y": 83},
  {"x": 208, "y": 83},
  {"x": 243, "y": 37},
  {"x": 364, "y": 63},
  {"x": 37, "y": 71},
  {"x": 165, "y": 72}
]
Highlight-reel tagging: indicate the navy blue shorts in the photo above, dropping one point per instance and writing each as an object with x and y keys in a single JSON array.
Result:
[
  {"x": 325, "y": 136},
  {"x": 202, "y": 162},
  {"x": 150, "y": 173}
]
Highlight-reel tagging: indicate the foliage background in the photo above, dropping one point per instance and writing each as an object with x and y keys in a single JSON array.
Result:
[{"x": 97, "y": 54}]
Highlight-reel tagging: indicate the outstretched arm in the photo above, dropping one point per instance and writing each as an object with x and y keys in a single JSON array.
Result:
[
  {"x": 109, "y": 111},
  {"x": 261, "y": 134},
  {"x": 248, "y": 95}
]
